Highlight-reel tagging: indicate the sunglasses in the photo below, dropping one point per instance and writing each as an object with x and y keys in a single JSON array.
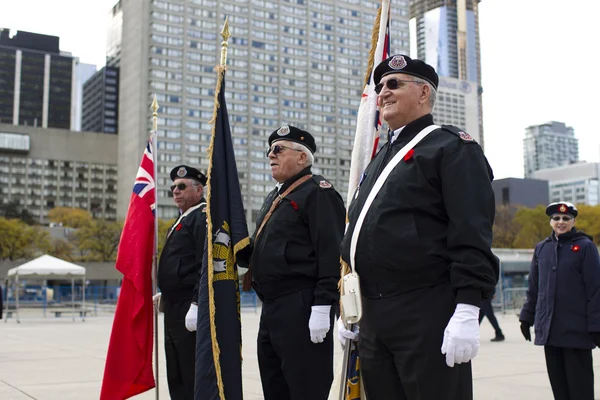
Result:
[
  {"x": 564, "y": 218},
  {"x": 391, "y": 84},
  {"x": 278, "y": 148},
  {"x": 180, "y": 186}
]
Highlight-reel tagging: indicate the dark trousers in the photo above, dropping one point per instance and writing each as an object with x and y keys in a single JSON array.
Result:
[
  {"x": 487, "y": 310},
  {"x": 571, "y": 373},
  {"x": 180, "y": 352},
  {"x": 400, "y": 348},
  {"x": 291, "y": 366}
]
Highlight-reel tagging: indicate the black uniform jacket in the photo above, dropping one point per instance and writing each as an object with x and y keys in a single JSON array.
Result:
[
  {"x": 299, "y": 245},
  {"x": 431, "y": 221},
  {"x": 181, "y": 258}
]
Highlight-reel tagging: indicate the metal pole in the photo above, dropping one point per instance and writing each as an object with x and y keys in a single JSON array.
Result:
[
  {"x": 83, "y": 306},
  {"x": 45, "y": 289},
  {"x": 6, "y": 281},
  {"x": 73, "y": 297},
  {"x": 155, "y": 256},
  {"x": 17, "y": 291}
]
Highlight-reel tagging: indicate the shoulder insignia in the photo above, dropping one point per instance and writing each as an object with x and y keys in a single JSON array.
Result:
[
  {"x": 465, "y": 136},
  {"x": 324, "y": 184},
  {"x": 460, "y": 133}
]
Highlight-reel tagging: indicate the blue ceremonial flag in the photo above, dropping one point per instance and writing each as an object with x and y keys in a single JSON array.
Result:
[{"x": 219, "y": 334}]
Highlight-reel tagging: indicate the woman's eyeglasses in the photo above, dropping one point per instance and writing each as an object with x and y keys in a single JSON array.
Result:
[
  {"x": 180, "y": 186},
  {"x": 564, "y": 218},
  {"x": 278, "y": 148},
  {"x": 391, "y": 84}
]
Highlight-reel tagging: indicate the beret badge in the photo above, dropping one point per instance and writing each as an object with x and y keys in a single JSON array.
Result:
[
  {"x": 397, "y": 62},
  {"x": 181, "y": 172},
  {"x": 284, "y": 130}
]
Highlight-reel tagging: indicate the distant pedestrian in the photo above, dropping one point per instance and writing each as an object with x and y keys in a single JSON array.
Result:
[
  {"x": 563, "y": 304},
  {"x": 487, "y": 310}
]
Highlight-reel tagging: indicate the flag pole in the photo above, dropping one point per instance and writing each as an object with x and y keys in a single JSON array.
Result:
[{"x": 155, "y": 256}]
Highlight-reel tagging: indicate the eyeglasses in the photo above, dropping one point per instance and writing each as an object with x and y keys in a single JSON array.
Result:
[
  {"x": 180, "y": 186},
  {"x": 391, "y": 84},
  {"x": 278, "y": 148},
  {"x": 564, "y": 218}
]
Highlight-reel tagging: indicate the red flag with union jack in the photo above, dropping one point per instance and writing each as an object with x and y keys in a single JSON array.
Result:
[{"x": 128, "y": 370}]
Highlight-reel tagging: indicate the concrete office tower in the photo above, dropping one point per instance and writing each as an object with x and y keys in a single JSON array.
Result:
[
  {"x": 101, "y": 101},
  {"x": 290, "y": 62},
  {"x": 45, "y": 168},
  {"x": 445, "y": 34},
  {"x": 38, "y": 82},
  {"x": 549, "y": 145}
]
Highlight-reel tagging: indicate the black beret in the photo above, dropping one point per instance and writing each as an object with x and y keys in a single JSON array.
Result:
[
  {"x": 562, "y": 207},
  {"x": 183, "y": 171},
  {"x": 293, "y": 134},
  {"x": 401, "y": 64}
]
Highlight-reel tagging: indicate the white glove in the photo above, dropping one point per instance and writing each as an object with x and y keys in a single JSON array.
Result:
[
  {"x": 344, "y": 333},
  {"x": 191, "y": 318},
  {"x": 461, "y": 336},
  {"x": 156, "y": 298},
  {"x": 319, "y": 323}
]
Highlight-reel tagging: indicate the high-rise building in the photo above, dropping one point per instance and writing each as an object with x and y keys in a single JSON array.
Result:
[
  {"x": 577, "y": 183},
  {"x": 549, "y": 145},
  {"x": 84, "y": 72},
  {"x": 457, "y": 104},
  {"x": 45, "y": 168},
  {"x": 37, "y": 81},
  {"x": 290, "y": 62},
  {"x": 445, "y": 34},
  {"x": 101, "y": 101}
]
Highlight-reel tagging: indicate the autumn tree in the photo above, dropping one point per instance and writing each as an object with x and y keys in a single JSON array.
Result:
[
  {"x": 533, "y": 226},
  {"x": 505, "y": 229},
  {"x": 21, "y": 241},
  {"x": 61, "y": 248},
  {"x": 99, "y": 240},
  {"x": 70, "y": 217}
]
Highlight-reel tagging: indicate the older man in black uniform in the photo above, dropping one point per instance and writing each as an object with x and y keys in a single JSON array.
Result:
[
  {"x": 178, "y": 278},
  {"x": 423, "y": 251},
  {"x": 295, "y": 266}
]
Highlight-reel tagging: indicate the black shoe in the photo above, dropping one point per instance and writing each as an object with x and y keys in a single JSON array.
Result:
[{"x": 498, "y": 338}]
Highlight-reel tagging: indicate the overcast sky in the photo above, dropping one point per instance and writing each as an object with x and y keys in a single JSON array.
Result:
[{"x": 540, "y": 62}]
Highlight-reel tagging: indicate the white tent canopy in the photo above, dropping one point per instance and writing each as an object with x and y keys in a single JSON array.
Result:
[{"x": 47, "y": 267}]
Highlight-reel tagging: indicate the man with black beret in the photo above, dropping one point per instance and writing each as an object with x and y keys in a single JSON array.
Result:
[
  {"x": 422, "y": 245},
  {"x": 563, "y": 303},
  {"x": 294, "y": 264},
  {"x": 178, "y": 279}
]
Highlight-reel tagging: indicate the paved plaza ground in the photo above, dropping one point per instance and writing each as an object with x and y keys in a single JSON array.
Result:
[{"x": 58, "y": 359}]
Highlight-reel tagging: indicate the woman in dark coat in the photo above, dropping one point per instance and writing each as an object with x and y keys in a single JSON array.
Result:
[{"x": 563, "y": 304}]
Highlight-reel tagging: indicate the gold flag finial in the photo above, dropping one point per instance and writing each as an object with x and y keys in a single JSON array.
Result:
[
  {"x": 225, "y": 35},
  {"x": 154, "y": 114}
]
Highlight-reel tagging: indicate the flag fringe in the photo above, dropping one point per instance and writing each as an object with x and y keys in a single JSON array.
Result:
[{"x": 210, "y": 267}]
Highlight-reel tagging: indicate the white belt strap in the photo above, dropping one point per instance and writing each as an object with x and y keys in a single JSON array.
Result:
[
  {"x": 182, "y": 216},
  {"x": 379, "y": 183}
]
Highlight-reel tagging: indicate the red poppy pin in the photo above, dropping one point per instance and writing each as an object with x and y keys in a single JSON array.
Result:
[
  {"x": 293, "y": 203},
  {"x": 178, "y": 227},
  {"x": 408, "y": 157},
  {"x": 575, "y": 247}
]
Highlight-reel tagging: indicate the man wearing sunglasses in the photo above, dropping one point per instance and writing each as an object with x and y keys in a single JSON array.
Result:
[
  {"x": 178, "y": 279},
  {"x": 295, "y": 269},
  {"x": 423, "y": 252},
  {"x": 563, "y": 304}
]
